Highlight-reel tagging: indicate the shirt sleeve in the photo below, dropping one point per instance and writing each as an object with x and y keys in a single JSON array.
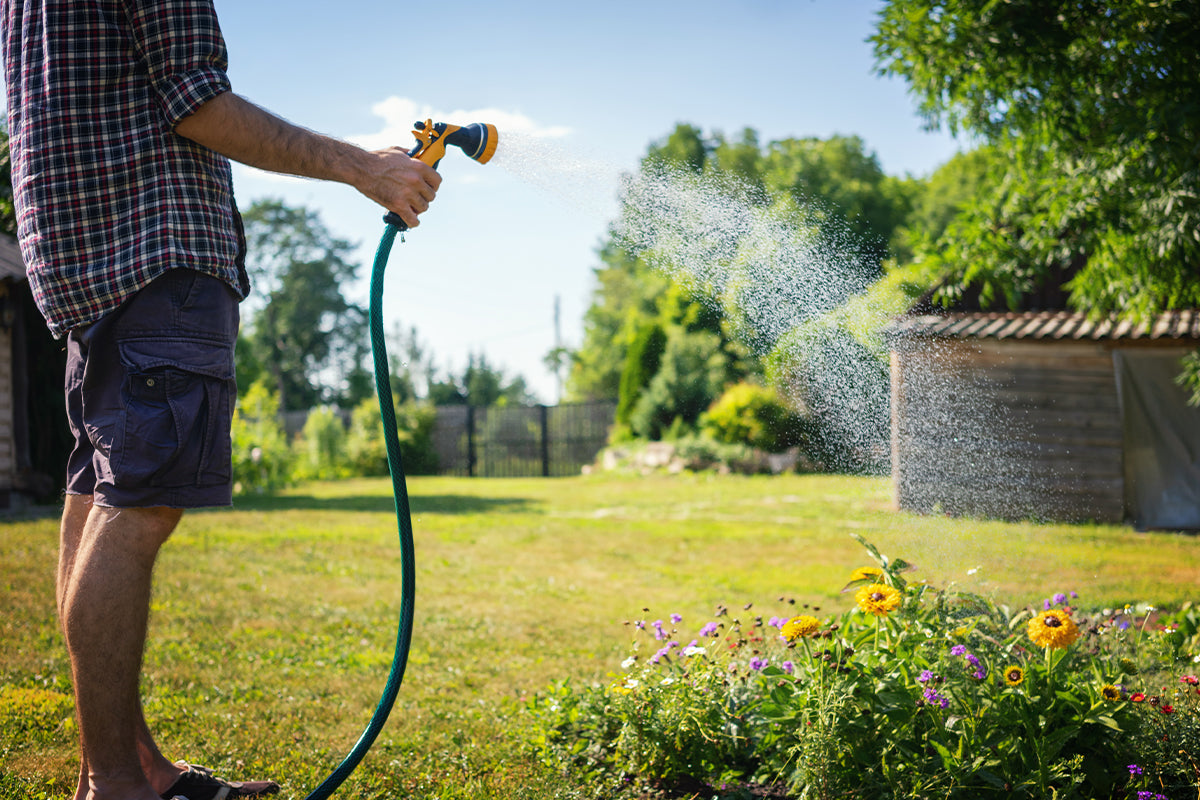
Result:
[{"x": 184, "y": 51}]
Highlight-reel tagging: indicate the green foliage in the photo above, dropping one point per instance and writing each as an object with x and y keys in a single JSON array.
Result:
[
  {"x": 261, "y": 457},
  {"x": 321, "y": 447},
  {"x": 641, "y": 365},
  {"x": 8, "y": 209},
  {"x": 1093, "y": 108},
  {"x": 912, "y": 692},
  {"x": 754, "y": 415},
  {"x": 813, "y": 187},
  {"x": 481, "y": 384},
  {"x": 842, "y": 389},
  {"x": 1190, "y": 377},
  {"x": 366, "y": 450},
  {"x": 302, "y": 330},
  {"x": 693, "y": 370}
]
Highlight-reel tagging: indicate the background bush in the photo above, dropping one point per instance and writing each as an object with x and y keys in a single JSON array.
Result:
[{"x": 754, "y": 415}]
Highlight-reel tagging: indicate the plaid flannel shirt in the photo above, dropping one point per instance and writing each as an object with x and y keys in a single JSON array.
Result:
[{"x": 108, "y": 197}]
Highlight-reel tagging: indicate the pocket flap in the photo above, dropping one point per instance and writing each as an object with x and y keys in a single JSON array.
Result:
[{"x": 198, "y": 356}]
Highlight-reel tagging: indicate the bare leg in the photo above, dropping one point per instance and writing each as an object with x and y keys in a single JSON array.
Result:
[{"x": 104, "y": 577}]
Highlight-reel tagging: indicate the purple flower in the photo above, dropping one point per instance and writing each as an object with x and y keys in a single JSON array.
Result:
[
  {"x": 640, "y": 624},
  {"x": 1047, "y": 605},
  {"x": 925, "y": 677},
  {"x": 710, "y": 629},
  {"x": 660, "y": 655},
  {"x": 957, "y": 650},
  {"x": 1134, "y": 770},
  {"x": 933, "y": 698},
  {"x": 972, "y": 660},
  {"x": 676, "y": 619},
  {"x": 1060, "y": 598},
  {"x": 788, "y": 667},
  {"x": 980, "y": 673},
  {"x": 757, "y": 663},
  {"x": 775, "y": 622}
]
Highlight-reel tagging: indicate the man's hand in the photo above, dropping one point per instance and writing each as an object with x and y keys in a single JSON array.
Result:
[{"x": 242, "y": 131}]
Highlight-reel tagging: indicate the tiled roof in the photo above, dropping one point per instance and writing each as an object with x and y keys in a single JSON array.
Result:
[
  {"x": 1046, "y": 325},
  {"x": 11, "y": 265}
]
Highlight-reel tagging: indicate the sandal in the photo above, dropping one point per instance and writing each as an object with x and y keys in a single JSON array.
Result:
[{"x": 198, "y": 783}]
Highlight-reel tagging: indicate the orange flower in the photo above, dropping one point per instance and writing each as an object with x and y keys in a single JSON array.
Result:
[
  {"x": 798, "y": 627},
  {"x": 878, "y": 599},
  {"x": 1053, "y": 628}
]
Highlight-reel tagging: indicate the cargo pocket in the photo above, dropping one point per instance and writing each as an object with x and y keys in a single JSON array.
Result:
[{"x": 179, "y": 397}]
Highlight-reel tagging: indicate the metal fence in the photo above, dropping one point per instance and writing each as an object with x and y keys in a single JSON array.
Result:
[{"x": 521, "y": 441}]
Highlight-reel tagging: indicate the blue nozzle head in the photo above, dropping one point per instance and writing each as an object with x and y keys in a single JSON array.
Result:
[{"x": 478, "y": 140}]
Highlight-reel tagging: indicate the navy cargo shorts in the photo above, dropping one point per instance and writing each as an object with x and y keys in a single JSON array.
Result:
[{"x": 150, "y": 394}]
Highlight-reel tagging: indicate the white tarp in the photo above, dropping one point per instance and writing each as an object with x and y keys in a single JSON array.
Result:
[{"x": 1162, "y": 441}]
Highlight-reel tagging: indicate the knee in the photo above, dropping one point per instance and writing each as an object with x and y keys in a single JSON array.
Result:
[{"x": 143, "y": 530}]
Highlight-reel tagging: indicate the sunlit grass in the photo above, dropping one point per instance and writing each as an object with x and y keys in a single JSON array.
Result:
[{"x": 274, "y": 623}]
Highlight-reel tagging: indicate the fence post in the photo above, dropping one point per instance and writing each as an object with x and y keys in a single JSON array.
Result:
[
  {"x": 470, "y": 441},
  {"x": 543, "y": 418}
]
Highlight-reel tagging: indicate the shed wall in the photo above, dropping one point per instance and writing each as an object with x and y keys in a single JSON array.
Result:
[{"x": 1009, "y": 429}]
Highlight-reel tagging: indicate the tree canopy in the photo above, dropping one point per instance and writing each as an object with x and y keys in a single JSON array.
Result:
[{"x": 1094, "y": 109}]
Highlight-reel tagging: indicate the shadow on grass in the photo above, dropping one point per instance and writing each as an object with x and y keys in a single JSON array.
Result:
[{"x": 420, "y": 504}]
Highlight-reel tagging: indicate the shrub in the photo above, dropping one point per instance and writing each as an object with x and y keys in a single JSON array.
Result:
[
  {"x": 754, "y": 415},
  {"x": 261, "y": 457},
  {"x": 913, "y": 692},
  {"x": 321, "y": 446},
  {"x": 641, "y": 365},
  {"x": 689, "y": 379},
  {"x": 366, "y": 451}
]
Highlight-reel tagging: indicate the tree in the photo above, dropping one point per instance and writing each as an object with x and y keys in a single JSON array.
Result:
[
  {"x": 1095, "y": 108},
  {"x": 697, "y": 267},
  {"x": 480, "y": 384},
  {"x": 303, "y": 332}
]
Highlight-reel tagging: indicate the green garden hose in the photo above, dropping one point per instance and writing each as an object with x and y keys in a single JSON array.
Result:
[{"x": 383, "y": 387}]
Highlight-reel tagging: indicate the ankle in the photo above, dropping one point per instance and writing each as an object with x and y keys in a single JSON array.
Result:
[
  {"x": 119, "y": 789},
  {"x": 162, "y": 774}
]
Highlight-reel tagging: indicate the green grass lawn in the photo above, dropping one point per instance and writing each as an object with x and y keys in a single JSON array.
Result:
[{"x": 274, "y": 623}]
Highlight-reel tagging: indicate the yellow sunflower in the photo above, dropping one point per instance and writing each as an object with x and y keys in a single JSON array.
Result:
[
  {"x": 798, "y": 627},
  {"x": 1014, "y": 676},
  {"x": 865, "y": 573},
  {"x": 1110, "y": 692},
  {"x": 877, "y": 599},
  {"x": 1053, "y": 628}
]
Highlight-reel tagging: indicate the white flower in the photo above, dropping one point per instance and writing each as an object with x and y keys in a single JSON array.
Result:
[
  {"x": 973, "y": 570},
  {"x": 693, "y": 650},
  {"x": 629, "y": 662},
  {"x": 632, "y": 683},
  {"x": 667, "y": 681}
]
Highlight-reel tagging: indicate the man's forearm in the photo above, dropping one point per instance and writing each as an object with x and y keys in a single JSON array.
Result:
[{"x": 242, "y": 131}]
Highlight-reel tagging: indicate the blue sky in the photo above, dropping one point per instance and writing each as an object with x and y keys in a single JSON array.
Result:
[{"x": 598, "y": 82}]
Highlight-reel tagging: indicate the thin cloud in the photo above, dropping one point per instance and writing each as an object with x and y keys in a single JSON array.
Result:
[{"x": 399, "y": 114}]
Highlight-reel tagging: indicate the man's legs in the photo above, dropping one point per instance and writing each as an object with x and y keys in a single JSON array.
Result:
[{"x": 104, "y": 599}]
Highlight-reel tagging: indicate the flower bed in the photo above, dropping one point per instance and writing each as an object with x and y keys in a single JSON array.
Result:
[{"x": 913, "y": 692}]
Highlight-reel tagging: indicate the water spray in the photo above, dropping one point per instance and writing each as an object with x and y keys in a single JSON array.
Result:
[{"x": 478, "y": 141}]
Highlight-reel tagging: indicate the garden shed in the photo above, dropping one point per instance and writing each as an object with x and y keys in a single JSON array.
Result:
[
  {"x": 1046, "y": 415},
  {"x": 33, "y": 427}
]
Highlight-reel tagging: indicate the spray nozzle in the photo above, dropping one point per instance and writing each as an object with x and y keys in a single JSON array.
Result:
[{"x": 478, "y": 140}]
